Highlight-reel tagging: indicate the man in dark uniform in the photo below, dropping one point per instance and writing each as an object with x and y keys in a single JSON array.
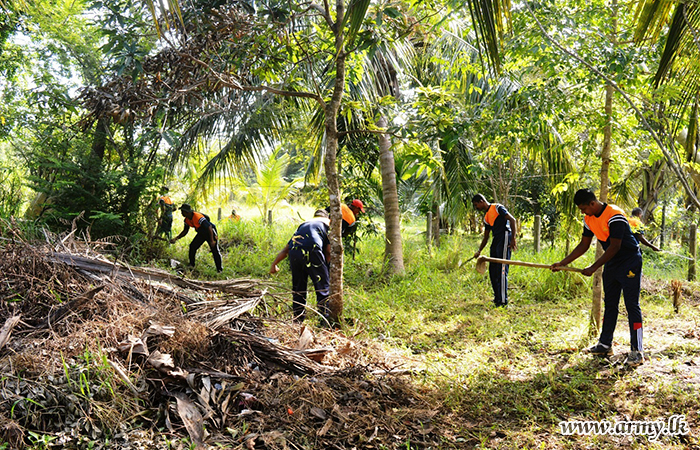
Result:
[
  {"x": 206, "y": 232},
  {"x": 622, "y": 272},
  {"x": 309, "y": 254},
  {"x": 499, "y": 222}
]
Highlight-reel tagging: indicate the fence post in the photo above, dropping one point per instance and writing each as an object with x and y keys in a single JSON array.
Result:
[
  {"x": 218, "y": 217},
  {"x": 538, "y": 228},
  {"x": 663, "y": 227},
  {"x": 429, "y": 229},
  {"x": 692, "y": 242}
]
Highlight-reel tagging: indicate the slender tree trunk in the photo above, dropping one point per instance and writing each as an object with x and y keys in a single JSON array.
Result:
[
  {"x": 99, "y": 140},
  {"x": 393, "y": 250},
  {"x": 335, "y": 301},
  {"x": 604, "y": 181}
]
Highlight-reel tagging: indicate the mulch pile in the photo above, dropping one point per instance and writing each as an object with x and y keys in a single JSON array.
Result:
[{"x": 98, "y": 354}]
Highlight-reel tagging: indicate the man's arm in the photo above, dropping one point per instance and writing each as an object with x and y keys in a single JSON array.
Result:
[
  {"x": 613, "y": 248},
  {"x": 212, "y": 238},
  {"x": 327, "y": 253},
  {"x": 181, "y": 235},
  {"x": 280, "y": 256},
  {"x": 643, "y": 240},
  {"x": 484, "y": 241},
  {"x": 580, "y": 249},
  {"x": 513, "y": 227}
]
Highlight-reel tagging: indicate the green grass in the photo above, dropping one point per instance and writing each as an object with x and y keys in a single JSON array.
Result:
[
  {"x": 511, "y": 373},
  {"x": 517, "y": 370}
]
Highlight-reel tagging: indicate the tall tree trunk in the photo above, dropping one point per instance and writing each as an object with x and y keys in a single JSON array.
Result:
[
  {"x": 335, "y": 301},
  {"x": 393, "y": 250},
  {"x": 99, "y": 140},
  {"x": 604, "y": 181}
]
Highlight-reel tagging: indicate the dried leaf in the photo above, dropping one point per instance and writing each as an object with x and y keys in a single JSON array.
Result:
[
  {"x": 191, "y": 417},
  {"x": 326, "y": 427},
  {"x": 318, "y": 412},
  {"x": 7, "y": 330},
  {"x": 165, "y": 365},
  {"x": 306, "y": 338},
  {"x": 133, "y": 345}
]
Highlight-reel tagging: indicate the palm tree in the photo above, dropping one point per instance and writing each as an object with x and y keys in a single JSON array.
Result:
[
  {"x": 268, "y": 188},
  {"x": 232, "y": 61}
]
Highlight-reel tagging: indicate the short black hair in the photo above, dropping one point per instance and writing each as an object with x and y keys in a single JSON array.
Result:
[
  {"x": 584, "y": 197},
  {"x": 637, "y": 212},
  {"x": 478, "y": 198}
]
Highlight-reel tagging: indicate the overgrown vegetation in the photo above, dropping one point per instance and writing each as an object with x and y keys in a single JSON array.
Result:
[
  {"x": 412, "y": 107},
  {"x": 497, "y": 378}
]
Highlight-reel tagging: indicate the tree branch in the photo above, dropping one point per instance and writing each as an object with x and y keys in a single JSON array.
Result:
[
  {"x": 234, "y": 84},
  {"x": 323, "y": 10},
  {"x": 640, "y": 115}
]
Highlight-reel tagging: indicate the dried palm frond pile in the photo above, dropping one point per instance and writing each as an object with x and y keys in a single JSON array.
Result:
[{"x": 95, "y": 351}]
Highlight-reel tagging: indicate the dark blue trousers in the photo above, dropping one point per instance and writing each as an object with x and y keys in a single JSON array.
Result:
[
  {"x": 498, "y": 273},
  {"x": 202, "y": 237},
  {"x": 304, "y": 264},
  {"x": 624, "y": 278}
]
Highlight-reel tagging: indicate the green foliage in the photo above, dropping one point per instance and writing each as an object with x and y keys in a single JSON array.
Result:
[
  {"x": 267, "y": 187},
  {"x": 11, "y": 195},
  {"x": 108, "y": 202}
]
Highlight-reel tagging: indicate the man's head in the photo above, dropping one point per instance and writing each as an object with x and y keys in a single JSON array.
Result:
[
  {"x": 637, "y": 212},
  {"x": 357, "y": 207},
  {"x": 186, "y": 210},
  {"x": 233, "y": 212},
  {"x": 587, "y": 202},
  {"x": 164, "y": 189},
  {"x": 480, "y": 203},
  {"x": 321, "y": 213}
]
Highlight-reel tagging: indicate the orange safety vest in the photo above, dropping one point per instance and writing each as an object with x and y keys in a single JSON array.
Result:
[
  {"x": 196, "y": 220},
  {"x": 600, "y": 225},
  {"x": 636, "y": 224},
  {"x": 348, "y": 215},
  {"x": 166, "y": 200},
  {"x": 492, "y": 214}
]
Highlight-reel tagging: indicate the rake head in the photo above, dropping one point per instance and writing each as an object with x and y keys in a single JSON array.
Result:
[{"x": 481, "y": 264}]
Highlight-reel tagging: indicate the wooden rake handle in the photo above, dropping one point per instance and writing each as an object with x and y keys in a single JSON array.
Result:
[{"x": 482, "y": 260}]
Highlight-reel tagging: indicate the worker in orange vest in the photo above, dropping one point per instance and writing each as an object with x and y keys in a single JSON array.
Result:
[
  {"x": 622, "y": 270},
  {"x": 501, "y": 224},
  {"x": 206, "y": 232},
  {"x": 165, "y": 221},
  {"x": 638, "y": 229},
  {"x": 350, "y": 212}
]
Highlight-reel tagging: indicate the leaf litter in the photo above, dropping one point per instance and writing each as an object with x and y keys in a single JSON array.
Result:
[{"x": 99, "y": 354}]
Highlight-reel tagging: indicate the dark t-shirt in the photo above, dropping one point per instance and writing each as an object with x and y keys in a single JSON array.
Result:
[
  {"x": 311, "y": 235},
  {"x": 500, "y": 225}
]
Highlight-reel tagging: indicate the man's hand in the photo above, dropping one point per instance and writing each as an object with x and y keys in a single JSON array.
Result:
[
  {"x": 512, "y": 244},
  {"x": 173, "y": 240},
  {"x": 476, "y": 255},
  {"x": 555, "y": 267},
  {"x": 588, "y": 271},
  {"x": 274, "y": 269}
]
